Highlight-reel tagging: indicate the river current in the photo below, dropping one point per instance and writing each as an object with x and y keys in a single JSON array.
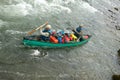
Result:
[{"x": 96, "y": 60}]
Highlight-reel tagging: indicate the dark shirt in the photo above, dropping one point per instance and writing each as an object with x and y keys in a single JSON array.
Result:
[
  {"x": 78, "y": 30},
  {"x": 49, "y": 31}
]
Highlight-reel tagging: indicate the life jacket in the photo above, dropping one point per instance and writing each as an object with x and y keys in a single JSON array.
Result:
[
  {"x": 53, "y": 39},
  {"x": 70, "y": 38},
  {"x": 59, "y": 39},
  {"x": 73, "y": 37},
  {"x": 65, "y": 39}
]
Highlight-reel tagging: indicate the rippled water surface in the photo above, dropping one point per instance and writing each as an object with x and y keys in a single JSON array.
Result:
[{"x": 96, "y": 60}]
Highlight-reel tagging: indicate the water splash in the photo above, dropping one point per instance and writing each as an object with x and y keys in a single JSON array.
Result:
[
  {"x": 22, "y": 8},
  {"x": 15, "y": 10},
  {"x": 15, "y": 32},
  {"x": 87, "y": 6},
  {"x": 50, "y": 7},
  {"x": 35, "y": 53},
  {"x": 39, "y": 53}
]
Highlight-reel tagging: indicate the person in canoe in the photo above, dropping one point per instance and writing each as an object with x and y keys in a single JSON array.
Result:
[
  {"x": 78, "y": 32},
  {"x": 45, "y": 34}
]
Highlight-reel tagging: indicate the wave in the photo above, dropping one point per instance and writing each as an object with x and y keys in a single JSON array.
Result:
[
  {"x": 15, "y": 10},
  {"x": 25, "y": 8},
  {"x": 15, "y": 32},
  {"x": 30, "y": 8},
  {"x": 2, "y": 23},
  {"x": 88, "y": 7},
  {"x": 50, "y": 7}
]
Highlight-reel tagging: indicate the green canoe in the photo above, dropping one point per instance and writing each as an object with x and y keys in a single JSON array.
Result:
[{"x": 29, "y": 41}]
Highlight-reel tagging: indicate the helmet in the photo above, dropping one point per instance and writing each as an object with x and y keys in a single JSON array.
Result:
[
  {"x": 81, "y": 25},
  {"x": 48, "y": 26},
  {"x": 53, "y": 32}
]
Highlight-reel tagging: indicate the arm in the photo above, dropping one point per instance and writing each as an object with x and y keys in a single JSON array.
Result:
[
  {"x": 44, "y": 33},
  {"x": 80, "y": 33}
]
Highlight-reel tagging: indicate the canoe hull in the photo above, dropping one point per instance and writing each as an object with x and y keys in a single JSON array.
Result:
[{"x": 43, "y": 44}]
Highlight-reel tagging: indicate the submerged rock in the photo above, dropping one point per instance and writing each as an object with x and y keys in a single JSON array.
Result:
[
  {"x": 111, "y": 11},
  {"x": 117, "y": 27},
  {"x": 116, "y": 9},
  {"x": 116, "y": 77}
]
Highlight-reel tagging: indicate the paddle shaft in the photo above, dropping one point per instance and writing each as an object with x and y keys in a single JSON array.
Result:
[{"x": 29, "y": 33}]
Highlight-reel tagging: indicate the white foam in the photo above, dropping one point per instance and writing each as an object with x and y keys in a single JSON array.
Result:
[
  {"x": 22, "y": 9},
  {"x": 40, "y": 2},
  {"x": 59, "y": 8},
  {"x": 55, "y": 6},
  {"x": 14, "y": 32},
  {"x": 58, "y": 4},
  {"x": 69, "y": 1},
  {"x": 35, "y": 53},
  {"x": 16, "y": 10},
  {"x": 88, "y": 7},
  {"x": 63, "y": 1}
]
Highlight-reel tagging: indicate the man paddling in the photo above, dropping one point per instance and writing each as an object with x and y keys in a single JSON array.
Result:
[
  {"x": 78, "y": 32},
  {"x": 45, "y": 34}
]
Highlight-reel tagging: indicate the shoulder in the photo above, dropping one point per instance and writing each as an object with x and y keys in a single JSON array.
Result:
[{"x": 78, "y": 29}]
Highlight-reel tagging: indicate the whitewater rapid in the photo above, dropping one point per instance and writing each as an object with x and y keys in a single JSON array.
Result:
[{"x": 96, "y": 60}]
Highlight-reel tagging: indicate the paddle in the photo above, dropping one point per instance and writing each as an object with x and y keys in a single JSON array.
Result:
[{"x": 29, "y": 33}]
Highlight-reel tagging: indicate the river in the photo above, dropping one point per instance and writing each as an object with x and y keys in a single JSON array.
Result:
[{"x": 96, "y": 60}]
